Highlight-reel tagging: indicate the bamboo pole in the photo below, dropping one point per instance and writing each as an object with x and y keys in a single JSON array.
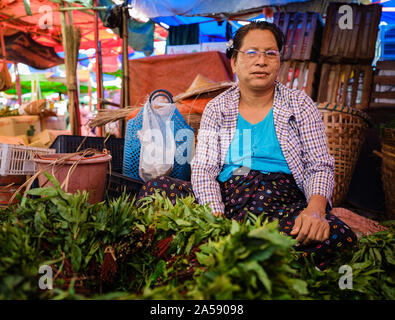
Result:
[
  {"x": 66, "y": 62},
  {"x": 71, "y": 41},
  {"x": 76, "y": 36},
  {"x": 125, "y": 66},
  {"x": 90, "y": 92},
  {"x": 83, "y": 9},
  {"x": 99, "y": 76},
  {"x": 18, "y": 83}
]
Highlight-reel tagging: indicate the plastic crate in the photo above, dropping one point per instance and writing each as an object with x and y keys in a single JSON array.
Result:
[
  {"x": 387, "y": 32},
  {"x": 118, "y": 182},
  {"x": 387, "y": 42},
  {"x": 388, "y": 50},
  {"x": 69, "y": 144},
  {"x": 17, "y": 160}
]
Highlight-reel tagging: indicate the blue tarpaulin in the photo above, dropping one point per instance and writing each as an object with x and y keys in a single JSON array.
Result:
[
  {"x": 140, "y": 36},
  {"x": 209, "y": 30},
  {"x": 388, "y": 17},
  {"x": 170, "y": 8},
  {"x": 176, "y": 12}
]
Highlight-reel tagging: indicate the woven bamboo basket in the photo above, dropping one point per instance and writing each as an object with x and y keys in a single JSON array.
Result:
[
  {"x": 345, "y": 130},
  {"x": 193, "y": 119},
  {"x": 388, "y": 170}
]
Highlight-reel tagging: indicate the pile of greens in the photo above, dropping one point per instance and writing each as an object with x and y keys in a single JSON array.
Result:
[{"x": 165, "y": 251}]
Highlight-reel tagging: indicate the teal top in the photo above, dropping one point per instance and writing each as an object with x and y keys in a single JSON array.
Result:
[{"x": 260, "y": 149}]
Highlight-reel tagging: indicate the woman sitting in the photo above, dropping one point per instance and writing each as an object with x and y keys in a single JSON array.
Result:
[{"x": 262, "y": 148}]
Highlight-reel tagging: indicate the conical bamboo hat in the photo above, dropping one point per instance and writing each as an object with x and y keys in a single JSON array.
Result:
[{"x": 202, "y": 84}]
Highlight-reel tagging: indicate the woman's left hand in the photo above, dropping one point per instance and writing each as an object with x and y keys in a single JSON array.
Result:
[{"x": 310, "y": 226}]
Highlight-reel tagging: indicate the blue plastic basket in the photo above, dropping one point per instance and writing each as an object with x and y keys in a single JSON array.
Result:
[
  {"x": 132, "y": 148},
  {"x": 387, "y": 42},
  {"x": 387, "y": 32}
]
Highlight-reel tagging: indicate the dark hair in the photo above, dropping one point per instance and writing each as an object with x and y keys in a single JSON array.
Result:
[{"x": 254, "y": 25}]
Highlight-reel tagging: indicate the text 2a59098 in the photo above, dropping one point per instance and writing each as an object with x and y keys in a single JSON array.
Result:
[{"x": 219, "y": 309}]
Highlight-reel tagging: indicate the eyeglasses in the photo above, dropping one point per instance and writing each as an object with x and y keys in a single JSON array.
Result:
[{"x": 252, "y": 54}]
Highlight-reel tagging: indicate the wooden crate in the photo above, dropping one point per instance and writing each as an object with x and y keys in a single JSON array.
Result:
[
  {"x": 301, "y": 75},
  {"x": 303, "y": 32},
  {"x": 356, "y": 45},
  {"x": 346, "y": 84},
  {"x": 383, "y": 88}
]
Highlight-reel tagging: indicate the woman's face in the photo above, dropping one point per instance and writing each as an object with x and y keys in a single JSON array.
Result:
[{"x": 261, "y": 72}]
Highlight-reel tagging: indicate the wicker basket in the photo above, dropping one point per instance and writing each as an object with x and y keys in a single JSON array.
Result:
[
  {"x": 388, "y": 170},
  {"x": 345, "y": 130},
  {"x": 193, "y": 119}
]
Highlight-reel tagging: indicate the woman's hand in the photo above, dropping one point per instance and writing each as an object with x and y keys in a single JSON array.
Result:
[{"x": 310, "y": 226}]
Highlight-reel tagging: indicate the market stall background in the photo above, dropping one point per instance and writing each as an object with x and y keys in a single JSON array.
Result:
[{"x": 217, "y": 27}]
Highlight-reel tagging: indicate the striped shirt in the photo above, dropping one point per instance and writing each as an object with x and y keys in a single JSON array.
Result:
[{"x": 300, "y": 131}]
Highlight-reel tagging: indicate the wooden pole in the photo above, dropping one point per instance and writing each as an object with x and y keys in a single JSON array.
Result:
[
  {"x": 125, "y": 66},
  {"x": 66, "y": 62},
  {"x": 18, "y": 84},
  {"x": 71, "y": 38},
  {"x": 99, "y": 76},
  {"x": 90, "y": 92},
  {"x": 74, "y": 62}
]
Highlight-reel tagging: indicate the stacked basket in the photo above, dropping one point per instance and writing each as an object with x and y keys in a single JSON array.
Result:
[
  {"x": 193, "y": 120},
  {"x": 388, "y": 170},
  {"x": 15, "y": 163},
  {"x": 345, "y": 130}
]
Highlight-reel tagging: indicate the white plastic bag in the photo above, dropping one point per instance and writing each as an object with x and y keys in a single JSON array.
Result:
[{"x": 157, "y": 141}]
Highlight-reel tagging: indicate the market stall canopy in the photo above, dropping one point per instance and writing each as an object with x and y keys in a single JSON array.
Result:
[
  {"x": 43, "y": 27},
  {"x": 22, "y": 48},
  {"x": 209, "y": 16},
  {"x": 41, "y": 22}
]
